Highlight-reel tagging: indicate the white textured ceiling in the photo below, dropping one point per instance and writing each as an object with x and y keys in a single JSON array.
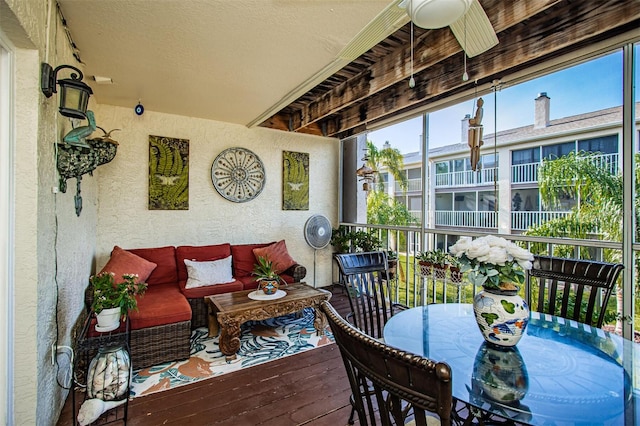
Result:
[{"x": 226, "y": 60}]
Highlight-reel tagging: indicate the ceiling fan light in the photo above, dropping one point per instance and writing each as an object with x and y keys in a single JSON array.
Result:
[{"x": 432, "y": 14}]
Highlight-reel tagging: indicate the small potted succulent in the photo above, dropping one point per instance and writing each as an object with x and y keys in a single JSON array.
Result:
[
  {"x": 266, "y": 275},
  {"x": 112, "y": 300}
]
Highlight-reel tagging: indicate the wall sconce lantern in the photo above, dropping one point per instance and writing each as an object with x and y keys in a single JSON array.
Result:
[{"x": 74, "y": 93}]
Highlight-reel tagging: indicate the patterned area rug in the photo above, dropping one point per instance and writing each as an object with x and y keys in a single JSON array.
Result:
[{"x": 260, "y": 342}]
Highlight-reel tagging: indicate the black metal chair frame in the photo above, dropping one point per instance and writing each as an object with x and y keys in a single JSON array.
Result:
[
  {"x": 364, "y": 275},
  {"x": 389, "y": 385},
  {"x": 564, "y": 285}
]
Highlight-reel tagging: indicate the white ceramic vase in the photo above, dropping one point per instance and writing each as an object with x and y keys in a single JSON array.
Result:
[
  {"x": 502, "y": 316},
  {"x": 108, "y": 318}
]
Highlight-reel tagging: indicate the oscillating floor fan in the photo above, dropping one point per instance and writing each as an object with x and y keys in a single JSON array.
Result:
[{"x": 317, "y": 233}]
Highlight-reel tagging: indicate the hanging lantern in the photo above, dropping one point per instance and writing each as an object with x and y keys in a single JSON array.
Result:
[{"x": 109, "y": 374}]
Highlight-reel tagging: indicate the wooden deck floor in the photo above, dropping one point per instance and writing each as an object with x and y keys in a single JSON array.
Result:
[{"x": 310, "y": 388}]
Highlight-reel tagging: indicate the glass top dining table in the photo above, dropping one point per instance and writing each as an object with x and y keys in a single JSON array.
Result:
[{"x": 560, "y": 373}]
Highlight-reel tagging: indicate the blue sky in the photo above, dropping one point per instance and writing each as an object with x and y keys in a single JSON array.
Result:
[{"x": 590, "y": 86}]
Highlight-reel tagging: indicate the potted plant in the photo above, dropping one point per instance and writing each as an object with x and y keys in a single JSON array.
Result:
[
  {"x": 365, "y": 241},
  {"x": 454, "y": 269},
  {"x": 392, "y": 261},
  {"x": 425, "y": 260},
  {"x": 112, "y": 301},
  {"x": 341, "y": 239},
  {"x": 498, "y": 266},
  {"x": 268, "y": 279}
]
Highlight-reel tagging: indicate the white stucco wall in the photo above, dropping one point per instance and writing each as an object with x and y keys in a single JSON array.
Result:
[
  {"x": 125, "y": 220},
  {"x": 55, "y": 251}
]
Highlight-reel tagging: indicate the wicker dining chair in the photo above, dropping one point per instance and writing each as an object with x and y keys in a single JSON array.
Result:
[
  {"x": 574, "y": 289},
  {"x": 364, "y": 275},
  {"x": 388, "y": 385}
]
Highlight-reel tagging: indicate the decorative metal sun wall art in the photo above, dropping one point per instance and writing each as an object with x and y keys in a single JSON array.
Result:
[{"x": 238, "y": 174}]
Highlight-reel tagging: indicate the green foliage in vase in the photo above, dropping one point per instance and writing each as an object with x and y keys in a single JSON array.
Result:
[{"x": 168, "y": 173}]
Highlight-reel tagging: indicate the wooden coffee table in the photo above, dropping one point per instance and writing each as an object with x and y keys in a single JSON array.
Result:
[{"x": 228, "y": 311}]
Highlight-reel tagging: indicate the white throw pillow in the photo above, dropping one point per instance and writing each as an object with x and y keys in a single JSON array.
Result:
[{"x": 208, "y": 273}]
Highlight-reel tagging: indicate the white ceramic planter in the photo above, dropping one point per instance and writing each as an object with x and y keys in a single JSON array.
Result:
[
  {"x": 502, "y": 316},
  {"x": 108, "y": 319}
]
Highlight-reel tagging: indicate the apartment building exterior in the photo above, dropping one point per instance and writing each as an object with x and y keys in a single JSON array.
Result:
[{"x": 502, "y": 195}]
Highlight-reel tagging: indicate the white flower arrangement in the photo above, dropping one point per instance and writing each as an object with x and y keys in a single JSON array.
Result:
[{"x": 492, "y": 262}]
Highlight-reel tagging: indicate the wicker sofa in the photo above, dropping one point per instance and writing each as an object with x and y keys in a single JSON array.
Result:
[{"x": 168, "y": 311}]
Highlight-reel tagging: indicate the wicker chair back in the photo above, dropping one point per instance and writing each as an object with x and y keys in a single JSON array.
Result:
[
  {"x": 574, "y": 289},
  {"x": 390, "y": 386}
]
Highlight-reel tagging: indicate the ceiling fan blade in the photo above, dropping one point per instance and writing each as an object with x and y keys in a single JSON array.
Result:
[{"x": 480, "y": 35}]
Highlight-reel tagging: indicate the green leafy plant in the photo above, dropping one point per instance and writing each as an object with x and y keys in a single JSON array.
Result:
[
  {"x": 345, "y": 241},
  {"x": 492, "y": 262},
  {"x": 107, "y": 294},
  {"x": 365, "y": 241},
  {"x": 435, "y": 257},
  {"x": 392, "y": 255},
  {"x": 265, "y": 271},
  {"x": 341, "y": 239}
]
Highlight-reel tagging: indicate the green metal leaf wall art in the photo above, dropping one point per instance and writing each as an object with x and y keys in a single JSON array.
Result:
[
  {"x": 295, "y": 180},
  {"x": 168, "y": 173}
]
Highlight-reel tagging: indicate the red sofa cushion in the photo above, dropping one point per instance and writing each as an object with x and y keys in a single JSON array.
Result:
[
  {"x": 199, "y": 253},
  {"x": 244, "y": 260},
  {"x": 162, "y": 304},
  {"x": 125, "y": 262},
  {"x": 165, "y": 258},
  {"x": 278, "y": 254}
]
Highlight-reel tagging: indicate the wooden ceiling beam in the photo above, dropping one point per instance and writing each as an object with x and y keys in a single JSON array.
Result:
[
  {"x": 430, "y": 47},
  {"x": 541, "y": 38}
]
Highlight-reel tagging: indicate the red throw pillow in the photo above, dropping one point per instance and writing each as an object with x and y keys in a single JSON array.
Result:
[
  {"x": 125, "y": 262},
  {"x": 277, "y": 253}
]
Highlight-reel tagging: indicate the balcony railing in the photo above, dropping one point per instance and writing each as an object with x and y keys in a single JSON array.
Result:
[
  {"x": 411, "y": 288},
  {"x": 468, "y": 219},
  {"x": 528, "y": 173},
  {"x": 521, "y": 221},
  {"x": 466, "y": 178},
  {"x": 413, "y": 185}
]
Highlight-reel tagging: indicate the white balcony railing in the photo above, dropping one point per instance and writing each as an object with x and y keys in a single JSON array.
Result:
[
  {"x": 528, "y": 173},
  {"x": 468, "y": 219},
  {"x": 466, "y": 178},
  {"x": 413, "y": 185},
  {"x": 521, "y": 221}
]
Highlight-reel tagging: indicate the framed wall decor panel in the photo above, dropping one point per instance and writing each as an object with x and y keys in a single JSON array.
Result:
[
  {"x": 168, "y": 173},
  {"x": 295, "y": 180}
]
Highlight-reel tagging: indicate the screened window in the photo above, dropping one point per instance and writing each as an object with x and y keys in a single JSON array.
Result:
[
  {"x": 525, "y": 156},
  {"x": 414, "y": 173},
  {"x": 604, "y": 144},
  {"x": 550, "y": 152},
  {"x": 489, "y": 161},
  {"x": 442, "y": 167}
]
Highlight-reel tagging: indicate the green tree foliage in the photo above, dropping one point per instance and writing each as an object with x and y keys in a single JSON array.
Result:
[
  {"x": 598, "y": 213},
  {"x": 392, "y": 160},
  {"x": 383, "y": 210}
]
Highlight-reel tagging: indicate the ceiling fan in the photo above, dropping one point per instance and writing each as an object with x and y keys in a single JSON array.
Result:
[{"x": 466, "y": 18}]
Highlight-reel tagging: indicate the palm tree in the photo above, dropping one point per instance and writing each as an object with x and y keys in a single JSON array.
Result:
[
  {"x": 598, "y": 212},
  {"x": 391, "y": 159}
]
